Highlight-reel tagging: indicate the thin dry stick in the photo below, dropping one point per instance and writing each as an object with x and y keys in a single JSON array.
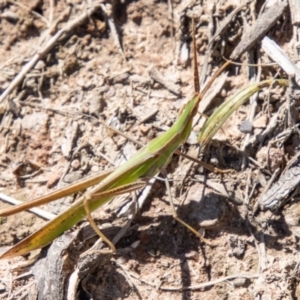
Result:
[
  {"x": 246, "y": 204},
  {"x": 267, "y": 187},
  {"x": 209, "y": 283},
  {"x": 174, "y": 213},
  {"x": 171, "y": 19},
  {"x": 18, "y": 3},
  {"x": 51, "y": 11},
  {"x": 127, "y": 275},
  {"x": 253, "y": 100},
  {"x": 24, "y": 288},
  {"x": 107, "y": 9},
  {"x": 48, "y": 46}
]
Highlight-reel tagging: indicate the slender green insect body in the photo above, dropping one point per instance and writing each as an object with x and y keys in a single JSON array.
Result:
[{"x": 147, "y": 162}]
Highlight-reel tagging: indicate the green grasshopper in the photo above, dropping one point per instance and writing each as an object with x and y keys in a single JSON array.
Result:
[{"x": 130, "y": 176}]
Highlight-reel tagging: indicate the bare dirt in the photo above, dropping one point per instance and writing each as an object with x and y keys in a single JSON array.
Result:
[{"x": 104, "y": 71}]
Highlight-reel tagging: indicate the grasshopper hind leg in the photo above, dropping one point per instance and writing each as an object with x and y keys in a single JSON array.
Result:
[
  {"x": 175, "y": 216},
  {"x": 95, "y": 227}
]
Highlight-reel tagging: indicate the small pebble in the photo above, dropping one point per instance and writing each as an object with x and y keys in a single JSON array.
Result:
[
  {"x": 53, "y": 179},
  {"x": 246, "y": 126},
  {"x": 75, "y": 164},
  {"x": 144, "y": 129}
]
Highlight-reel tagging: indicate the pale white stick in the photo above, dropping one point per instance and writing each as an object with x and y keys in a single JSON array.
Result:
[
  {"x": 279, "y": 56},
  {"x": 39, "y": 212}
]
